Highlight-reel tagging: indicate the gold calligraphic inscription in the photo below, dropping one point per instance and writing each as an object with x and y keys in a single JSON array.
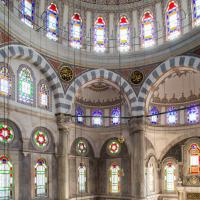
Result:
[
  {"x": 136, "y": 77},
  {"x": 193, "y": 196},
  {"x": 66, "y": 73}
]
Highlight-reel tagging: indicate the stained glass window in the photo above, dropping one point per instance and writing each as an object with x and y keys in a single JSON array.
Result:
[
  {"x": 115, "y": 178},
  {"x": 26, "y": 86},
  {"x": 27, "y": 10},
  {"x": 52, "y": 22},
  {"x": 114, "y": 147},
  {"x": 193, "y": 114},
  {"x": 79, "y": 115},
  {"x": 196, "y": 12},
  {"x": 99, "y": 35},
  {"x": 172, "y": 21},
  {"x": 82, "y": 179},
  {"x": 5, "y": 81},
  {"x": 6, "y": 178},
  {"x": 194, "y": 152},
  {"x": 169, "y": 177},
  {"x": 76, "y": 31},
  {"x": 44, "y": 95},
  {"x": 115, "y": 116},
  {"x": 41, "y": 178},
  {"x": 41, "y": 138},
  {"x": 81, "y": 147},
  {"x": 124, "y": 34},
  {"x": 154, "y": 117},
  {"x": 148, "y": 30},
  {"x": 172, "y": 116},
  {"x": 150, "y": 177},
  {"x": 97, "y": 118},
  {"x": 6, "y": 133}
]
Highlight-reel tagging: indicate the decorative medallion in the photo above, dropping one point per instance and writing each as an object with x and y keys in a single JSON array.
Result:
[
  {"x": 81, "y": 147},
  {"x": 136, "y": 77},
  {"x": 40, "y": 138},
  {"x": 6, "y": 134},
  {"x": 66, "y": 73},
  {"x": 114, "y": 147}
]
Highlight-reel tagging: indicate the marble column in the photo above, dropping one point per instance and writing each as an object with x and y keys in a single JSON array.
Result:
[
  {"x": 41, "y": 13},
  {"x": 63, "y": 123},
  {"x": 136, "y": 130},
  {"x": 89, "y": 31},
  {"x": 65, "y": 25},
  {"x": 111, "y": 33},
  {"x": 136, "y": 31},
  {"x": 185, "y": 16},
  {"x": 159, "y": 23}
]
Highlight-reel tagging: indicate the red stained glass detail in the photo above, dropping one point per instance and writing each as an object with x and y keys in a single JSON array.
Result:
[
  {"x": 123, "y": 20},
  {"x": 77, "y": 17},
  {"x": 100, "y": 21},
  {"x": 171, "y": 6},
  {"x": 53, "y": 8}
]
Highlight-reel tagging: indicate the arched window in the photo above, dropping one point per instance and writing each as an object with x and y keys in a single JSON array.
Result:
[
  {"x": 27, "y": 10},
  {"x": 97, "y": 118},
  {"x": 76, "y": 31},
  {"x": 172, "y": 116},
  {"x": 169, "y": 177},
  {"x": 124, "y": 34},
  {"x": 154, "y": 115},
  {"x": 172, "y": 21},
  {"x": 150, "y": 178},
  {"x": 25, "y": 86},
  {"x": 194, "y": 153},
  {"x": 148, "y": 30},
  {"x": 196, "y": 12},
  {"x": 115, "y": 116},
  {"x": 6, "y": 134},
  {"x": 6, "y": 178},
  {"x": 41, "y": 179},
  {"x": 79, "y": 115},
  {"x": 82, "y": 179},
  {"x": 193, "y": 114},
  {"x": 5, "y": 81},
  {"x": 99, "y": 35},
  {"x": 52, "y": 22},
  {"x": 44, "y": 95},
  {"x": 115, "y": 178}
]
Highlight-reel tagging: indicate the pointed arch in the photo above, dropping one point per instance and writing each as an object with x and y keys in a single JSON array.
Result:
[{"x": 109, "y": 76}]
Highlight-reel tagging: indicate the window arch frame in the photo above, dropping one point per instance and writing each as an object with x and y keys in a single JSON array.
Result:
[
  {"x": 33, "y": 82},
  {"x": 101, "y": 118},
  {"x": 153, "y": 29},
  {"x": 178, "y": 28},
  {"x": 77, "y": 46},
  {"x": 112, "y": 116},
  {"x": 84, "y": 174},
  {"x": 154, "y": 112},
  {"x": 188, "y": 121},
  {"x": 77, "y": 115},
  {"x": 172, "y": 109}
]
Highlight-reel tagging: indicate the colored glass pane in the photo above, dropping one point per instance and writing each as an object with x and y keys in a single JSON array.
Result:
[
  {"x": 6, "y": 179},
  {"x": 52, "y": 22},
  {"x": 25, "y": 86},
  {"x": 99, "y": 35},
  {"x": 116, "y": 116},
  {"x": 148, "y": 30},
  {"x": 27, "y": 12},
  {"x": 196, "y": 12},
  {"x": 154, "y": 115},
  {"x": 82, "y": 179},
  {"x": 97, "y": 118},
  {"x": 114, "y": 147},
  {"x": 41, "y": 178},
  {"x": 5, "y": 81},
  {"x": 172, "y": 21},
  {"x": 194, "y": 152},
  {"x": 170, "y": 177},
  {"x": 172, "y": 116},
  {"x": 124, "y": 34},
  {"x": 193, "y": 114},
  {"x": 114, "y": 178},
  {"x": 76, "y": 25},
  {"x": 81, "y": 147},
  {"x": 40, "y": 139},
  {"x": 6, "y": 133},
  {"x": 79, "y": 115},
  {"x": 44, "y": 95}
]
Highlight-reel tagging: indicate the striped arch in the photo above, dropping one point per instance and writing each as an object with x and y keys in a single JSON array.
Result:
[
  {"x": 179, "y": 61},
  {"x": 107, "y": 75},
  {"x": 30, "y": 55}
]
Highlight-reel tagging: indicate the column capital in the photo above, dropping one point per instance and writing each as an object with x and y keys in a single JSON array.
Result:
[
  {"x": 63, "y": 122},
  {"x": 136, "y": 124}
]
